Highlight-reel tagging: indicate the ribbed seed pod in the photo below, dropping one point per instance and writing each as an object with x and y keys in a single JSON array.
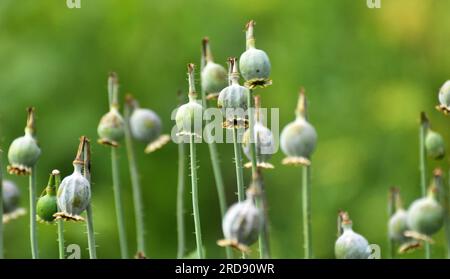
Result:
[
  {"x": 254, "y": 63},
  {"x": 435, "y": 145},
  {"x": 298, "y": 139},
  {"x": 350, "y": 245},
  {"x": 214, "y": 76},
  {"x": 241, "y": 225},
  {"x": 24, "y": 151},
  {"x": 111, "y": 128},
  {"x": 426, "y": 215}
]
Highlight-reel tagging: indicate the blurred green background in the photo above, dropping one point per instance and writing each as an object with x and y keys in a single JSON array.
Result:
[{"x": 368, "y": 73}]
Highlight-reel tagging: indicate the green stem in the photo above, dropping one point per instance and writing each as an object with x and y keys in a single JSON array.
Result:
[
  {"x": 446, "y": 205},
  {"x": 60, "y": 222},
  {"x": 238, "y": 165},
  {"x": 390, "y": 211},
  {"x": 118, "y": 203},
  {"x": 198, "y": 232},
  {"x": 33, "y": 232},
  {"x": 261, "y": 201},
  {"x": 306, "y": 207},
  {"x": 215, "y": 163},
  {"x": 1, "y": 207},
  {"x": 180, "y": 201},
  {"x": 423, "y": 168},
  {"x": 89, "y": 215},
  {"x": 137, "y": 193}
]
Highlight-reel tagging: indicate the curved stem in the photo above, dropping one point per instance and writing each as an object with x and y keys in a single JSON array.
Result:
[
  {"x": 1, "y": 207},
  {"x": 306, "y": 207},
  {"x": 137, "y": 195},
  {"x": 423, "y": 168},
  {"x": 118, "y": 203},
  {"x": 198, "y": 232},
  {"x": 261, "y": 201},
  {"x": 33, "y": 232},
  {"x": 238, "y": 165},
  {"x": 180, "y": 201}
]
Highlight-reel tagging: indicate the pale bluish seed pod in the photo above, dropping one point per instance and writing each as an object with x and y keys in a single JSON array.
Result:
[
  {"x": 444, "y": 95},
  {"x": 351, "y": 245},
  {"x": 233, "y": 97},
  {"x": 242, "y": 223},
  {"x": 11, "y": 202},
  {"x": 435, "y": 145},
  {"x": 426, "y": 215},
  {"x": 24, "y": 152},
  {"x": 254, "y": 65},
  {"x": 186, "y": 117},
  {"x": 398, "y": 225},
  {"x": 111, "y": 127},
  {"x": 11, "y": 196},
  {"x": 264, "y": 143},
  {"x": 214, "y": 78},
  {"x": 298, "y": 139},
  {"x": 145, "y": 125},
  {"x": 74, "y": 195}
]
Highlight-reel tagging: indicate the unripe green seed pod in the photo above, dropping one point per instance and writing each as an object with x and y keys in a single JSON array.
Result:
[
  {"x": 298, "y": 139},
  {"x": 398, "y": 225},
  {"x": 189, "y": 116},
  {"x": 233, "y": 97},
  {"x": 74, "y": 195},
  {"x": 11, "y": 201},
  {"x": 444, "y": 97},
  {"x": 111, "y": 127},
  {"x": 264, "y": 143},
  {"x": 242, "y": 223},
  {"x": 254, "y": 63},
  {"x": 145, "y": 125},
  {"x": 46, "y": 207},
  {"x": 435, "y": 145},
  {"x": 426, "y": 215},
  {"x": 214, "y": 78},
  {"x": 351, "y": 245}
]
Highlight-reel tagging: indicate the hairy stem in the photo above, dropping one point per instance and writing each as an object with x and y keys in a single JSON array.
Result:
[
  {"x": 214, "y": 155},
  {"x": 238, "y": 165},
  {"x": 118, "y": 203},
  {"x": 306, "y": 208},
  {"x": 180, "y": 201},
  {"x": 423, "y": 168},
  {"x": 137, "y": 195},
  {"x": 60, "y": 222},
  {"x": 447, "y": 214},
  {"x": 89, "y": 215},
  {"x": 390, "y": 211},
  {"x": 33, "y": 232},
  {"x": 261, "y": 201},
  {"x": 198, "y": 232}
]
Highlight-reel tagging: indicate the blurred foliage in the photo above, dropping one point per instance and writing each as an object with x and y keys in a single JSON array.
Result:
[{"x": 368, "y": 73}]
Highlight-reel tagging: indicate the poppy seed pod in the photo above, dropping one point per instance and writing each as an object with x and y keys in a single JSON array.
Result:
[
  {"x": 145, "y": 125},
  {"x": 398, "y": 225},
  {"x": 254, "y": 63},
  {"x": 241, "y": 225},
  {"x": 11, "y": 201},
  {"x": 233, "y": 98},
  {"x": 435, "y": 145},
  {"x": 444, "y": 98},
  {"x": 189, "y": 116},
  {"x": 426, "y": 215},
  {"x": 46, "y": 206},
  {"x": 350, "y": 245},
  {"x": 298, "y": 139},
  {"x": 111, "y": 128},
  {"x": 214, "y": 76},
  {"x": 24, "y": 151},
  {"x": 74, "y": 195},
  {"x": 264, "y": 144}
]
